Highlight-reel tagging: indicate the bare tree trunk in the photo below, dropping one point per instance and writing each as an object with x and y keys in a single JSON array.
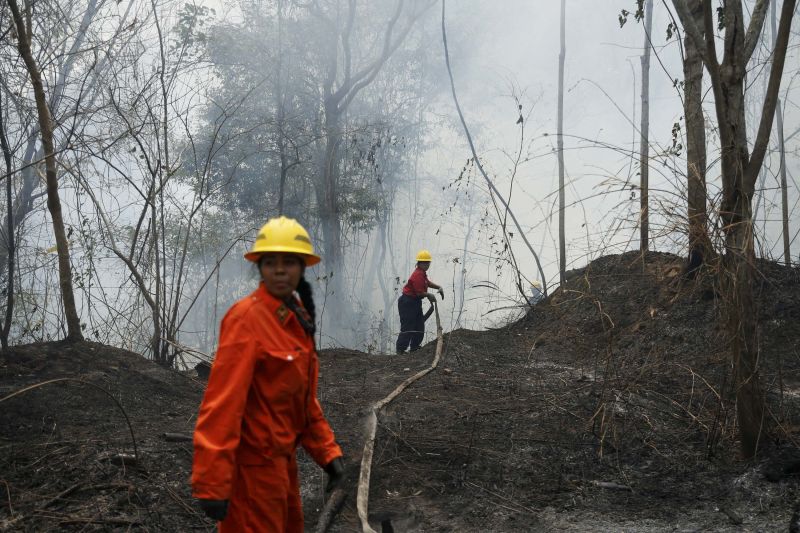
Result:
[
  {"x": 160, "y": 347},
  {"x": 462, "y": 280},
  {"x": 743, "y": 329},
  {"x": 787, "y": 256},
  {"x": 329, "y": 208},
  {"x": 155, "y": 342},
  {"x": 739, "y": 254},
  {"x": 386, "y": 294},
  {"x": 280, "y": 113},
  {"x": 9, "y": 244},
  {"x": 562, "y": 247},
  {"x": 739, "y": 173},
  {"x": 30, "y": 179},
  {"x": 51, "y": 174},
  {"x": 699, "y": 242},
  {"x": 644, "y": 142}
]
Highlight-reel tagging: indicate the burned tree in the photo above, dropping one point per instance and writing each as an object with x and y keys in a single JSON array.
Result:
[
  {"x": 24, "y": 38},
  {"x": 740, "y": 169}
]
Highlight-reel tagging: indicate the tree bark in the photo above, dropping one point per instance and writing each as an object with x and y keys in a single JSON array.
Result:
[
  {"x": 329, "y": 207},
  {"x": 737, "y": 221},
  {"x": 51, "y": 173},
  {"x": 9, "y": 244},
  {"x": 743, "y": 331},
  {"x": 280, "y": 113},
  {"x": 644, "y": 132},
  {"x": 562, "y": 246},
  {"x": 787, "y": 256},
  {"x": 699, "y": 242},
  {"x": 787, "y": 253},
  {"x": 739, "y": 173}
]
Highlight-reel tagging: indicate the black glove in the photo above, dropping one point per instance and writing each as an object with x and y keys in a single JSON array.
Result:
[
  {"x": 214, "y": 509},
  {"x": 335, "y": 471},
  {"x": 441, "y": 292}
]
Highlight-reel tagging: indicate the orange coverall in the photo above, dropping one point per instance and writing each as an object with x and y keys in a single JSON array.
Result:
[{"x": 261, "y": 402}]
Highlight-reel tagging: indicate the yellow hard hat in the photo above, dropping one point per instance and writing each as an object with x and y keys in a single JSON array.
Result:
[
  {"x": 536, "y": 284},
  {"x": 424, "y": 256},
  {"x": 283, "y": 235}
]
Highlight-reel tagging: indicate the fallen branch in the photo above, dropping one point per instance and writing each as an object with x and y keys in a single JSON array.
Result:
[
  {"x": 76, "y": 520},
  {"x": 362, "y": 498},
  {"x": 517, "y": 507},
  {"x": 83, "y": 487},
  {"x": 197, "y": 353},
  {"x": 8, "y": 495},
  {"x": 610, "y": 485},
  {"x": 332, "y": 507},
  {"x": 176, "y": 437},
  {"x": 180, "y": 501},
  {"x": 60, "y": 495}
]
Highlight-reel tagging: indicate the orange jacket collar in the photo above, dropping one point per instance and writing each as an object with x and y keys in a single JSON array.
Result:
[{"x": 274, "y": 305}]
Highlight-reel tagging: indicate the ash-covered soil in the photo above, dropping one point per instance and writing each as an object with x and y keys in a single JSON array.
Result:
[{"x": 609, "y": 407}]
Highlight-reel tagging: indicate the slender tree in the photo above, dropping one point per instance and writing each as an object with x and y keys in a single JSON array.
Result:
[
  {"x": 9, "y": 237},
  {"x": 699, "y": 243},
  {"x": 284, "y": 140},
  {"x": 562, "y": 246},
  {"x": 740, "y": 167},
  {"x": 24, "y": 39},
  {"x": 62, "y": 102},
  {"x": 787, "y": 255},
  {"x": 644, "y": 131}
]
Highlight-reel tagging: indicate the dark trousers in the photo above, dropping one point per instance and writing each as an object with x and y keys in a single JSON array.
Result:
[{"x": 412, "y": 323}]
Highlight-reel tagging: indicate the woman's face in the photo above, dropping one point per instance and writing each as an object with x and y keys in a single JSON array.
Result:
[{"x": 281, "y": 273}]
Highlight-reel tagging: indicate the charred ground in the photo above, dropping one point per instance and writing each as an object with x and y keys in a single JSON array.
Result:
[{"x": 608, "y": 407}]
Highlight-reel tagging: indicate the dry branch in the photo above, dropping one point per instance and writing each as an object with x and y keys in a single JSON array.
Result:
[
  {"x": 478, "y": 161},
  {"x": 332, "y": 507}
]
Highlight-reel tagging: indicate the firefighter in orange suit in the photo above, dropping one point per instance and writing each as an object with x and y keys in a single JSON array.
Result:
[{"x": 261, "y": 400}]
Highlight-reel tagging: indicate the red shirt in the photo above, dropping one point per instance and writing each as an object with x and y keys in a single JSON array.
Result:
[{"x": 417, "y": 283}]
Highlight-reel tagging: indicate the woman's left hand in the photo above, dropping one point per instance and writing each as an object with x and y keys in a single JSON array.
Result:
[
  {"x": 335, "y": 471},
  {"x": 214, "y": 509}
]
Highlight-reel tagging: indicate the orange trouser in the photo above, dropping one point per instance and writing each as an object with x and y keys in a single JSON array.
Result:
[{"x": 265, "y": 499}]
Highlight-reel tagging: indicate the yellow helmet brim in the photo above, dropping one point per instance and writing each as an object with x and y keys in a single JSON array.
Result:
[
  {"x": 309, "y": 259},
  {"x": 283, "y": 235}
]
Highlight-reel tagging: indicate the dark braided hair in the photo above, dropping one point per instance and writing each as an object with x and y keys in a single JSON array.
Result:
[{"x": 307, "y": 297}]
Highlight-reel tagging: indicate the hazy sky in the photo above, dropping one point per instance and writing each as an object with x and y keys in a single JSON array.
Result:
[
  {"x": 515, "y": 48},
  {"x": 517, "y": 42},
  {"x": 511, "y": 47}
]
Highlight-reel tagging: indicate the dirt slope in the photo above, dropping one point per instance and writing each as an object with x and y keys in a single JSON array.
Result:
[
  {"x": 608, "y": 408},
  {"x": 67, "y": 454}
]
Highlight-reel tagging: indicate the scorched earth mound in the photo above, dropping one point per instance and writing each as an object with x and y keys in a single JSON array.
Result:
[{"x": 608, "y": 407}]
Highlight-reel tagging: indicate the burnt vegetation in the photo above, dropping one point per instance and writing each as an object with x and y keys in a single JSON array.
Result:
[{"x": 609, "y": 405}]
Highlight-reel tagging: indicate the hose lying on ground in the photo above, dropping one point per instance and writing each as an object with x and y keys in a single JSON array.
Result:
[{"x": 362, "y": 500}]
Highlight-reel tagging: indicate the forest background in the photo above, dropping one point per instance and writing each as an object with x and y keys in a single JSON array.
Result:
[{"x": 178, "y": 128}]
